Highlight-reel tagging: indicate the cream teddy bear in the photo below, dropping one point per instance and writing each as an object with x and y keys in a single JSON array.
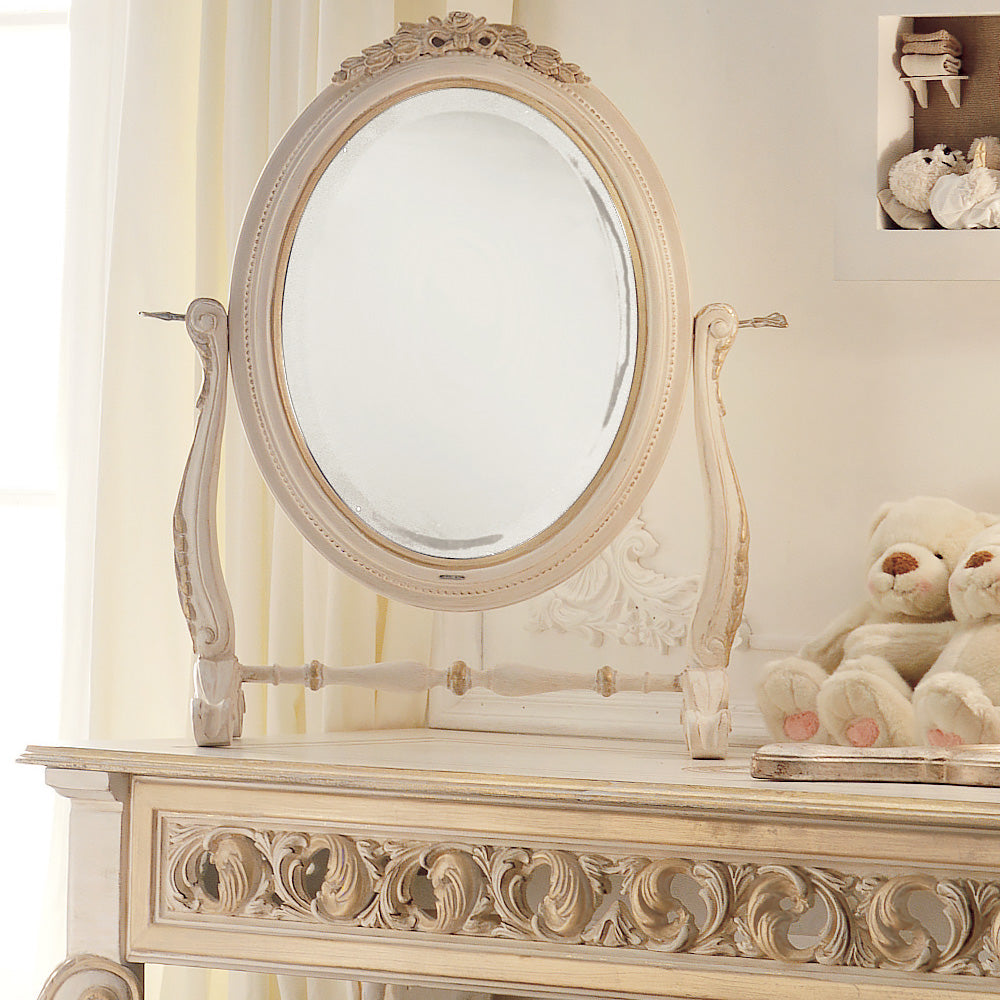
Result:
[
  {"x": 956, "y": 701},
  {"x": 853, "y": 684},
  {"x": 914, "y": 176}
]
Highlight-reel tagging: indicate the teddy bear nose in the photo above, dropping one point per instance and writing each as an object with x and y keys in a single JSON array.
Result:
[
  {"x": 899, "y": 563},
  {"x": 980, "y": 558}
]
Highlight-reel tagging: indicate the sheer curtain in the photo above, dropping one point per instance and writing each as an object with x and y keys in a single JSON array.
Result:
[{"x": 174, "y": 110}]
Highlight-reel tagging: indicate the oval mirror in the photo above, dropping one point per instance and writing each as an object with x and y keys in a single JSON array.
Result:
[
  {"x": 465, "y": 326},
  {"x": 460, "y": 395}
]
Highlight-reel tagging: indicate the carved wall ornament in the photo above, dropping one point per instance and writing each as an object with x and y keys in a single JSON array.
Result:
[
  {"x": 771, "y": 912},
  {"x": 458, "y": 32},
  {"x": 617, "y": 596}
]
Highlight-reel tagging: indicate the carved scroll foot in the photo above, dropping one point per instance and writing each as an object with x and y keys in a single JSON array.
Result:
[
  {"x": 705, "y": 715},
  {"x": 217, "y": 707},
  {"x": 90, "y": 977}
]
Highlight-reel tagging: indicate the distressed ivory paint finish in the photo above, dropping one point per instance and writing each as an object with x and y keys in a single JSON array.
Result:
[{"x": 536, "y": 864}]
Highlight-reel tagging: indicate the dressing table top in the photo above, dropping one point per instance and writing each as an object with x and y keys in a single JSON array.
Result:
[
  {"x": 644, "y": 775},
  {"x": 415, "y": 857}
]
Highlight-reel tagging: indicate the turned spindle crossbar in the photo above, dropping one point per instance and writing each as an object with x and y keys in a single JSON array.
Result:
[{"x": 218, "y": 704}]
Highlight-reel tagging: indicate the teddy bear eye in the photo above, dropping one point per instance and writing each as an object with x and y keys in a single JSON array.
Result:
[
  {"x": 927, "y": 159},
  {"x": 937, "y": 555}
]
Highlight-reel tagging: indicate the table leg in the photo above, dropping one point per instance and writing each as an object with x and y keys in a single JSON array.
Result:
[{"x": 96, "y": 968}]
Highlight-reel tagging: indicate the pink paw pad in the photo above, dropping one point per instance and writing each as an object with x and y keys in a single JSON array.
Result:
[
  {"x": 803, "y": 726},
  {"x": 939, "y": 738},
  {"x": 862, "y": 733}
]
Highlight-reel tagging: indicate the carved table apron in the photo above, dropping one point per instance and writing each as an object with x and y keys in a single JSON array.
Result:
[{"x": 538, "y": 865}]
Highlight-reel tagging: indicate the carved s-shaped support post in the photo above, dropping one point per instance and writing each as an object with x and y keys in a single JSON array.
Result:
[
  {"x": 217, "y": 707},
  {"x": 705, "y": 684}
]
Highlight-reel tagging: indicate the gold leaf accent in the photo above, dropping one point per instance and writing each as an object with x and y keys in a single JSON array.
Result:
[{"x": 225, "y": 876}]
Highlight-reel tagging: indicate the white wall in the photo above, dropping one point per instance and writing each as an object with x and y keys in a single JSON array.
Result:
[{"x": 877, "y": 390}]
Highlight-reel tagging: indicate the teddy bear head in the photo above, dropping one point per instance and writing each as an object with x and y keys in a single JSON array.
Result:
[
  {"x": 912, "y": 178},
  {"x": 914, "y": 548},
  {"x": 974, "y": 586}
]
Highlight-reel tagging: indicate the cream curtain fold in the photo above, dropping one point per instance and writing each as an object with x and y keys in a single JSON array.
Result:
[
  {"x": 266, "y": 63},
  {"x": 174, "y": 110}
]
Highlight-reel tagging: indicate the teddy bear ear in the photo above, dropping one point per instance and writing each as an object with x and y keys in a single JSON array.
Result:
[{"x": 883, "y": 513}]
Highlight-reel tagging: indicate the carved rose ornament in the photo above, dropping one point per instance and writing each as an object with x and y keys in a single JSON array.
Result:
[{"x": 459, "y": 32}]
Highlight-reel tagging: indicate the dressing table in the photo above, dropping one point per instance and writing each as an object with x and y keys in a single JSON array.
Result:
[{"x": 542, "y": 865}]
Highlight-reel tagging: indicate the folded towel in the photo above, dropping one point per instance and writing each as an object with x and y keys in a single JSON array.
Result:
[
  {"x": 931, "y": 49},
  {"x": 930, "y": 65},
  {"x": 933, "y": 36}
]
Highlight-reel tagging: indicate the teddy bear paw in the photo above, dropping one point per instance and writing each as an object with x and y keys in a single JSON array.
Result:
[
  {"x": 860, "y": 709},
  {"x": 802, "y": 726},
  {"x": 975, "y": 582},
  {"x": 952, "y": 710},
  {"x": 863, "y": 732},
  {"x": 786, "y": 694}
]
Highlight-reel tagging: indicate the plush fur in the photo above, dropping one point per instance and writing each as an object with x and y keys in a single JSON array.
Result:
[
  {"x": 853, "y": 684},
  {"x": 985, "y": 152},
  {"x": 912, "y": 178},
  {"x": 956, "y": 702}
]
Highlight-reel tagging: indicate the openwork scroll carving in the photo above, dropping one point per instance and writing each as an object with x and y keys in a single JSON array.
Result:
[
  {"x": 770, "y": 912},
  {"x": 458, "y": 32},
  {"x": 618, "y": 597}
]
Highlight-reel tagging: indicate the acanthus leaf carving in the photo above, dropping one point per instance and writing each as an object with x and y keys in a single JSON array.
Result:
[
  {"x": 988, "y": 956},
  {"x": 664, "y": 919},
  {"x": 897, "y": 934},
  {"x": 617, "y": 596},
  {"x": 456, "y": 881},
  {"x": 459, "y": 891},
  {"x": 904, "y": 939},
  {"x": 506, "y": 870},
  {"x": 751, "y": 910},
  {"x": 768, "y": 922},
  {"x": 575, "y": 889},
  {"x": 327, "y": 875}
]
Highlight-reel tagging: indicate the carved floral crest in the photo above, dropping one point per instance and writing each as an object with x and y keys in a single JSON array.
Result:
[{"x": 459, "y": 32}]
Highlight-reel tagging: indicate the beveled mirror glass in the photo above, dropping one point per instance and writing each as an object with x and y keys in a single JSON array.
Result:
[
  {"x": 465, "y": 320},
  {"x": 461, "y": 395}
]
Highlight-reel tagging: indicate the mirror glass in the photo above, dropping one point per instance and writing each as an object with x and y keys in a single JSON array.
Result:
[{"x": 459, "y": 323}]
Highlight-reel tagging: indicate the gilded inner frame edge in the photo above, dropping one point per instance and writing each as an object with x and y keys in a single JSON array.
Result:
[{"x": 275, "y": 338}]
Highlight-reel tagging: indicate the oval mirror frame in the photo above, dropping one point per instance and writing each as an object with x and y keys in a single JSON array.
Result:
[{"x": 461, "y": 52}]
